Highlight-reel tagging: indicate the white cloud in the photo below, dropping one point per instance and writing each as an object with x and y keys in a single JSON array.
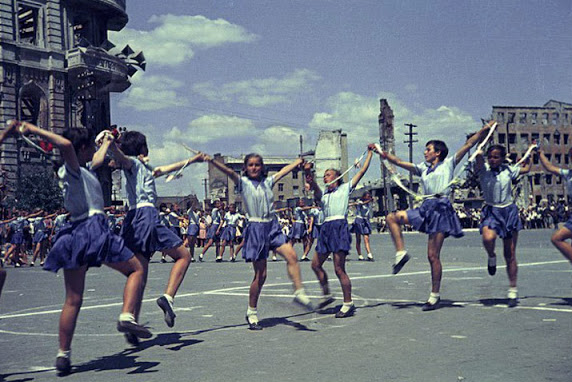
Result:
[
  {"x": 278, "y": 140},
  {"x": 211, "y": 128},
  {"x": 260, "y": 92},
  {"x": 357, "y": 115},
  {"x": 176, "y": 38},
  {"x": 149, "y": 93}
]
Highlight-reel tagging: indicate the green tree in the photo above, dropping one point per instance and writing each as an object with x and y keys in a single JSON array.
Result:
[{"x": 38, "y": 188}]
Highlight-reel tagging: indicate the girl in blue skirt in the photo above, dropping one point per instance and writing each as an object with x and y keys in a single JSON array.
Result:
[
  {"x": 500, "y": 216},
  {"x": 560, "y": 238},
  {"x": 362, "y": 226},
  {"x": 87, "y": 241},
  {"x": 229, "y": 233},
  {"x": 141, "y": 229},
  {"x": 263, "y": 232},
  {"x": 436, "y": 216},
  {"x": 213, "y": 232},
  {"x": 194, "y": 216},
  {"x": 335, "y": 235}
]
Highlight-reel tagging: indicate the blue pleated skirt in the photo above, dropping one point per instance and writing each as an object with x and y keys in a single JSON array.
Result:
[
  {"x": 435, "y": 215},
  {"x": 143, "y": 232},
  {"x": 39, "y": 236},
  {"x": 86, "y": 242},
  {"x": 17, "y": 238},
  {"x": 316, "y": 231},
  {"x": 568, "y": 223},
  {"x": 228, "y": 234},
  {"x": 211, "y": 233},
  {"x": 335, "y": 236},
  {"x": 298, "y": 231},
  {"x": 260, "y": 238},
  {"x": 361, "y": 226},
  {"x": 193, "y": 230},
  {"x": 504, "y": 220}
]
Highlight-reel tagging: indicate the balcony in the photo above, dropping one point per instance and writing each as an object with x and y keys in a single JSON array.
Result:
[
  {"x": 114, "y": 10},
  {"x": 107, "y": 70}
]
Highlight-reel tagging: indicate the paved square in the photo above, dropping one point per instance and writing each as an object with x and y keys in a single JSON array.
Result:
[{"x": 473, "y": 337}]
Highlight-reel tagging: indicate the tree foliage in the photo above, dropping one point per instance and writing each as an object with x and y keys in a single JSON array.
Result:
[{"x": 38, "y": 188}]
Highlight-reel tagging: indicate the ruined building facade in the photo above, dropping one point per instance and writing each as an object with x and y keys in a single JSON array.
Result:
[
  {"x": 551, "y": 126},
  {"x": 57, "y": 70}
]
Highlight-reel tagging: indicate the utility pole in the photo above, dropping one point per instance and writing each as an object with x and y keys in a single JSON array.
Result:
[
  {"x": 205, "y": 184},
  {"x": 410, "y": 143}
]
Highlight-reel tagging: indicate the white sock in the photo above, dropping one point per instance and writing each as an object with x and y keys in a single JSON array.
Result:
[
  {"x": 300, "y": 295},
  {"x": 433, "y": 298},
  {"x": 170, "y": 299},
  {"x": 252, "y": 314},
  {"x": 346, "y": 306},
  {"x": 369, "y": 255},
  {"x": 127, "y": 317},
  {"x": 512, "y": 292},
  {"x": 399, "y": 255},
  {"x": 64, "y": 353}
]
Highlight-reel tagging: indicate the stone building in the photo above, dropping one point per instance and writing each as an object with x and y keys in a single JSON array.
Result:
[
  {"x": 551, "y": 126},
  {"x": 57, "y": 69}
]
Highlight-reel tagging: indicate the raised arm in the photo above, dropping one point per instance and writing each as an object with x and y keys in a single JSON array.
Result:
[
  {"x": 121, "y": 160},
  {"x": 479, "y": 161},
  {"x": 473, "y": 141},
  {"x": 66, "y": 148},
  {"x": 526, "y": 166},
  {"x": 398, "y": 162},
  {"x": 547, "y": 165},
  {"x": 10, "y": 129},
  {"x": 161, "y": 170},
  {"x": 357, "y": 177},
  {"x": 221, "y": 166},
  {"x": 287, "y": 169},
  {"x": 99, "y": 157}
]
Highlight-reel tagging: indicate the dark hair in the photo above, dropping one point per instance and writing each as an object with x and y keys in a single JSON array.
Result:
[
  {"x": 439, "y": 146},
  {"x": 79, "y": 138},
  {"x": 500, "y": 148},
  {"x": 162, "y": 207},
  {"x": 133, "y": 143},
  {"x": 254, "y": 155}
]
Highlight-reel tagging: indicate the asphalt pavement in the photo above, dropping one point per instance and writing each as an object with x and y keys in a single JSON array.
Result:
[{"x": 474, "y": 336}]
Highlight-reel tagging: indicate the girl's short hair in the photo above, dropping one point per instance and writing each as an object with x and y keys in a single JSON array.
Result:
[
  {"x": 254, "y": 155},
  {"x": 133, "y": 143},
  {"x": 439, "y": 146},
  {"x": 79, "y": 137},
  {"x": 500, "y": 148},
  {"x": 338, "y": 173}
]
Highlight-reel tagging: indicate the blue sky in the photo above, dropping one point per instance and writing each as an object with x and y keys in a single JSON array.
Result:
[{"x": 234, "y": 77}]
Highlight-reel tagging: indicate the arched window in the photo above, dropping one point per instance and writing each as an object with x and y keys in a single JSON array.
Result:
[{"x": 33, "y": 105}]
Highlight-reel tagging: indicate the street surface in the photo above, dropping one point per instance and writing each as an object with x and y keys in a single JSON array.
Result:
[{"x": 474, "y": 336}]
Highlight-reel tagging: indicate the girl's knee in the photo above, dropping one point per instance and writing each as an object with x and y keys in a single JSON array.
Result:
[{"x": 74, "y": 301}]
